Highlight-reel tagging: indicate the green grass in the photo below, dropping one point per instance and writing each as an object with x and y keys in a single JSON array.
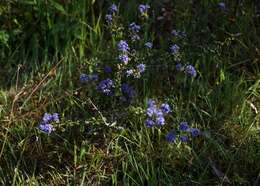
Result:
[{"x": 45, "y": 45}]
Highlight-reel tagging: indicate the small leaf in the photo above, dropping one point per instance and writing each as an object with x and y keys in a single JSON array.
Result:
[{"x": 58, "y": 7}]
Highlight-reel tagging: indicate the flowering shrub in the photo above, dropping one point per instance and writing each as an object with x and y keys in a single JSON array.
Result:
[{"x": 132, "y": 63}]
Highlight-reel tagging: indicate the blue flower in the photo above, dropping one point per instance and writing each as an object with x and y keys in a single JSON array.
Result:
[
  {"x": 151, "y": 103},
  {"x": 55, "y": 117},
  {"x": 113, "y": 8},
  {"x": 184, "y": 138},
  {"x": 148, "y": 45},
  {"x": 44, "y": 124},
  {"x": 160, "y": 120},
  {"x": 150, "y": 111},
  {"x": 222, "y": 6},
  {"x": 165, "y": 108},
  {"x": 129, "y": 72},
  {"x": 190, "y": 71},
  {"x": 124, "y": 58},
  {"x": 47, "y": 118},
  {"x": 107, "y": 69},
  {"x": 175, "y": 33},
  {"x": 171, "y": 136},
  {"x": 194, "y": 132},
  {"x": 83, "y": 78},
  {"x": 174, "y": 49},
  {"x": 108, "y": 18},
  {"x": 127, "y": 90},
  {"x": 149, "y": 122},
  {"x": 143, "y": 8},
  {"x": 178, "y": 66},
  {"x": 141, "y": 67},
  {"x": 134, "y": 27},
  {"x": 104, "y": 86},
  {"x": 159, "y": 113},
  {"x": 184, "y": 126},
  {"x": 122, "y": 46},
  {"x": 45, "y": 127}
]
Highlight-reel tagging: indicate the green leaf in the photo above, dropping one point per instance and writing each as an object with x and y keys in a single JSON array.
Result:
[{"x": 58, "y": 7}]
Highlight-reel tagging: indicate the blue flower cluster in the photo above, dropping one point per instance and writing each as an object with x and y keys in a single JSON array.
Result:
[
  {"x": 123, "y": 46},
  {"x": 112, "y": 10},
  {"x": 184, "y": 132},
  {"x": 45, "y": 125},
  {"x": 134, "y": 28},
  {"x": 123, "y": 58},
  {"x": 105, "y": 86},
  {"x": 85, "y": 78},
  {"x": 156, "y": 114}
]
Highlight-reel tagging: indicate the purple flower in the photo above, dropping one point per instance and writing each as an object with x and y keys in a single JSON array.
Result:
[
  {"x": 175, "y": 33},
  {"x": 83, "y": 78},
  {"x": 159, "y": 113},
  {"x": 104, "y": 86},
  {"x": 127, "y": 90},
  {"x": 108, "y": 18},
  {"x": 150, "y": 111},
  {"x": 178, "y": 66},
  {"x": 143, "y": 8},
  {"x": 148, "y": 45},
  {"x": 222, "y": 6},
  {"x": 124, "y": 58},
  {"x": 55, "y": 117},
  {"x": 141, "y": 68},
  {"x": 194, "y": 132},
  {"x": 165, "y": 108},
  {"x": 174, "y": 49},
  {"x": 122, "y": 46},
  {"x": 151, "y": 103},
  {"x": 184, "y": 138},
  {"x": 190, "y": 71},
  {"x": 107, "y": 69},
  {"x": 45, "y": 127},
  {"x": 184, "y": 126},
  {"x": 160, "y": 120},
  {"x": 134, "y": 27},
  {"x": 47, "y": 118},
  {"x": 113, "y": 8},
  {"x": 129, "y": 72},
  {"x": 149, "y": 122},
  {"x": 171, "y": 136}
]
